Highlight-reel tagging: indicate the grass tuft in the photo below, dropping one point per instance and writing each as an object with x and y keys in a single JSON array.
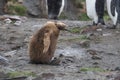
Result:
[
  {"x": 14, "y": 74},
  {"x": 92, "y": 69},
  {"x": 17, "y": 9}
]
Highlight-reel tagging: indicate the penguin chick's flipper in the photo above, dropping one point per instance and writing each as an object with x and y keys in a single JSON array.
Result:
[{"x": 46, "y": 41}]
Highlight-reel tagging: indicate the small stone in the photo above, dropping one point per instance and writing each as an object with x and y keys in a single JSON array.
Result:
[
  {"x": 95, "y": 63},
  {"x": 3, "y": 61},
  {"x": 117, "y": 32},
  {"x": 96, "y": 58},
  {"x": 99, "y": 29},
  {"x": 7, "y": 21},
  {"x": 117, "y": 68},
  {"x": 17, "y": 23},
  {"x": 85, "y": 43},
  {"x": 10, "y": 54},
  {"x": 20, "y": 1},
  {"x": 26, "y": 40},
  {"x": 92, "y": 52},
  {"x": 12, "y": 17},
  {"x": 3, "y": 75},
  {"x": 23, "y": 19},
  {"x": 117, "y": 77},
  {"x": 107, "y": 34}
]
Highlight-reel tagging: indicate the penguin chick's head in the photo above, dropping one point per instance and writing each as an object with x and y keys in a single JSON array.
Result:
[{"x": 60, "y": 25}]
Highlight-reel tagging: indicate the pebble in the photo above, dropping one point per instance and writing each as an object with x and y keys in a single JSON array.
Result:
[
  {"x": 10, "y": 54},
  {"x": 99, "y": 29},
  {"x": 107, "y": 34},
  {"x": 7, "y": 21},
  {"x": 17, "y": 23},
  {"x": 3, "y": 61},
  {"x": 85, "y": 43}
]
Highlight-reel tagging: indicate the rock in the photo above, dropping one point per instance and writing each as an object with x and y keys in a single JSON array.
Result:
[
  {"x": 96, "y": 58},
  {"x": 117, "y": 69},
  {"x": 26, "y": 40},
  {"x": 20, "y": 1},
  {"x": 117, "y": 77},
  {"x": 3, "y": 75},
  {"x": 13, "y": 17},
  {"x": 107, "y": 34},
  {"x": 99, "y": 29},
  {"x": 23, "y": 19},
  {"x": 10, "y": 54},
  {"x": 92, "y": 52},
  {"x": 94, "y": 55},
  {"x": 3, "y": 61},
  {"x": 17, "y": 23},
  {"x": 2, "y": 18},
  {"x": 85, "y": 43},
  {"x": 117, "y": 32},
  {"x": 7, "y": 21},
  {"x": 35, "y": 8}
]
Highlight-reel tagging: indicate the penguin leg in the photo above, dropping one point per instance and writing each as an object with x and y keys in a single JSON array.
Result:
[
  {"x": 100, "y": 11},
  {"x": 94, "y": 24},
  {"x": 101, "y": 20},
  {"x": 114, "y": 27},
  {"x": 110, "y": 26}
]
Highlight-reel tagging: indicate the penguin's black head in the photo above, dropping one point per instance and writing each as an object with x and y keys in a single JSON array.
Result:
[{"x": 54, "y": 8}]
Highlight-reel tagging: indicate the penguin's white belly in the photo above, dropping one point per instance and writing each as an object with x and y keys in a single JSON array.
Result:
[
  {"x": 91, "y": 10},
  {"x": 114, "y": 18}
]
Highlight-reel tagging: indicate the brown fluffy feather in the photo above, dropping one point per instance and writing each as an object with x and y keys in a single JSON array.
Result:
[{"x": 43, "y": 43}]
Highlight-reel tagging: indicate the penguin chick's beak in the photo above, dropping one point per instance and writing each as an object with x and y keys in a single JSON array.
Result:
[{"x": 66, "y": 30}]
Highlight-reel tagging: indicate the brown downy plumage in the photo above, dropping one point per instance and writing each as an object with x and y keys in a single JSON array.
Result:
[{"x": 43, "y": 43}]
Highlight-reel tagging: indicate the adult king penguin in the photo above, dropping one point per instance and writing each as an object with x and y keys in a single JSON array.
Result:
[
  {"x": 95, "y": 11},
  {"x": 113, "y": 7},
  {"x": 55, "y": 7}
]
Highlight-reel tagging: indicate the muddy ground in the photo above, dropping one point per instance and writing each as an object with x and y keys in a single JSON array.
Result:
[{"x": 94, "y": 55}]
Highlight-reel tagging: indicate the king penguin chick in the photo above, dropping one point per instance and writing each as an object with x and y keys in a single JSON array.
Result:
[
  {"x": 113, "y": 8},
  {"x": 95, "y": 11},
  {"x": 43, "y": 43}
]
